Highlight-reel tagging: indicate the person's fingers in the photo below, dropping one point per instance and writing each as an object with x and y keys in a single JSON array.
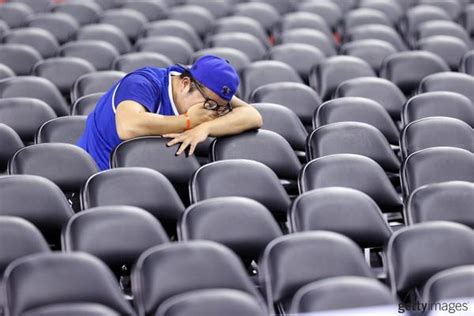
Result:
[
  {"x": 192, "y": 147},
  {"x": 171, "y": 135},
  {"x": 174, "y": 141},
  {"x": 182, "y": 147}
]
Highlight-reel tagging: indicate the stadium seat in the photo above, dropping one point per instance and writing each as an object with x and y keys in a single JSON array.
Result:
[
  {"x": 218, "y": 9},
  {"x": 372, "y": 51},
  {"x": 376, "y": 31},
  {"x": 291, "y": 262},
  {"x": 65, "y": 129},
  {"x": 24, "y": 235},
  {"x": 107, "y": 33},
  {"x": 298, "y": 97},
  {"x": 131, "y": 22},
  {"x": 450, "y": 284},
  {"x": 42, "y": 41},
  {"x": 263, "y": 72},
  {"x": 11, "y": 142},
  {"x": 199, "y": 18},
  {"x": 310, "y": 37},
  {"x": 439, "y": 103},
  {"x": 108, "y": 4},
  {"x": 283, "y": 121},
  {"x": 467, "y": 63},
  {"x": 238, "y": 59},
  {"x": 447, "y": 201},
  {"x": 328, "y": 10},
  {"x": 300, "y": 57},
  {"x": 419, "y": 14},
  {"x": 37, "y": 200},
  {"x": 86, "y": 104},
  {"x": 63, "y": 71},
  {"x": 19, "y": 57},
  {"x": 365, "y": 16},
  {"x": 380, "y": 90},
  {"x": 449, "y": 48},
  {"x": 173, "y": 269},
  {"x": 468, "y": 18},
  {"x": 342, "y": 210},
  {"x": 151, "y": 191},
  {"x": 446, "y": 28},
  {"x": 37, "y": 88},
  {"x": 95, "y": 82},
  {"x": 25, "y": 116},
  {"x": 62, "y": 26},
  {"x": 298, "y": 20},
  {"x": 174, "y": 48},
  {"x": 352, "y": 138},
  {"x": 241, "y": 24},
  {"x": 449, "y": 81},
  {"x": 100, "y": 54},
  {"x": 451, "y": 7},
  {"x": 436, "y": 131},
  {"x": 174, "y": 28},
  {"x": 152, "y": 10},
  {"x": 132, "y": 61},
  {"x": 242, "y": 224},
  {"x": 84, "y": 12},
  {"x": 351, "y": 171},
  {"x": 330, "y": 73},
  {"x": 282, "y": 6},
  {"x": 391, "y": 9},
  {"x": 15, "y": 15},
  {"x": 263, "y": 13},
  {"x": 244, "y": 42},
  {"x": 407, "y": 69},
  {"x": 439, "y": 245},
  {"x": 37, "y": 6},
  {"x": 436, "y": 164},
  {"x": 95, "y": 292},
  {"x": 6, "y": 72},
  {"x": 214, "y": 302},
  {"x": 356, "y": 109}
]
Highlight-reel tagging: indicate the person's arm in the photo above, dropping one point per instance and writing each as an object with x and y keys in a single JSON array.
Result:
[{"x": 243, "y": 117}]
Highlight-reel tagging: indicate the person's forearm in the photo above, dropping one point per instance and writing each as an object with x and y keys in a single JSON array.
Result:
[{"x": 148, "y": 124}]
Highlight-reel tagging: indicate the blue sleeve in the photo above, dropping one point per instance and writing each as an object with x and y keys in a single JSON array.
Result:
[{"x": 138, "y": 88}]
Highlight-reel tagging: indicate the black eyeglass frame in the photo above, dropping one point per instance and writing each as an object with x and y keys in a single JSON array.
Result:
[{"x": 210, "y": 104}]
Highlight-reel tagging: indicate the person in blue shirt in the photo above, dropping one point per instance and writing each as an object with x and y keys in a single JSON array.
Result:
[{"x": 184, "y": 104}]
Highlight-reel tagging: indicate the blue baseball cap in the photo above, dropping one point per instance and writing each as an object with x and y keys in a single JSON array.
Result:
[{"x": 216, "y": 74}]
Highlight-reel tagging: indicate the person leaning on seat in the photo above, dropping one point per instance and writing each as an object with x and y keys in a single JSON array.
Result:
[{"x": 181, "y": 103}]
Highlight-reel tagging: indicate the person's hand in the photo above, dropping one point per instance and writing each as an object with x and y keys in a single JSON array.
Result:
[
  {"x": 198, "y": 114},
  {"x": 189, "y": 138}
]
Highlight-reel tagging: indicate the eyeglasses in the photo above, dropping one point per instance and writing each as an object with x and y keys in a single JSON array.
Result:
[{"x": 210, "y": 104}]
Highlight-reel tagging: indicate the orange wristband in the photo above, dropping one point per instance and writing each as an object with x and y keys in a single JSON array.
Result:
[{"x": 188, "y": 121}]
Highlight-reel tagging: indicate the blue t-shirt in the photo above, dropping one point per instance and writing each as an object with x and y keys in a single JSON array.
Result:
[{"x": 149, "y": 86}]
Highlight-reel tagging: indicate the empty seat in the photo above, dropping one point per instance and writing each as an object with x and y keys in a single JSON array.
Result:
[
  {"x": 133, "y": 61},
  {"x": 351, "y": 171},
  {"x": 447, "y": 28},
  {"x": 376, "y": 31},
  {"x": 310, "y": 37},
  {"x": 380, "y": 90},
  {"x": 11, "y": 142},
  {"x": 24, "y": 235},
  {"x": 436, "y": 131},
  {"x": 295, "y": 260},
  {"x": 436, "y": 164},
  {"x": 39, "y": 201},
  {"x": 37, "y": 88},
  {"x": 357, "y": 109},
  {"x": 95, "y": 292},
  {"x": 352, "y": 138},
  {"x": 199, "y": 18},
  {"x": 42, "y": 41},
  {"x": 264, "y": 72},
  {"x": 95, "y": 82},
  {"x": 179, "y": 268},
  {"x": 15, "y": 14},
  {"x": 364, "y": 16},
  {"x": 467, "y": 63},
  {"x": 241, "y": 24},
  {"x": 244, "y": 42},
  {"x": 450, "y": 284},
  {"x": 391, "y": 9},
  {"x": 174, "y": 48},
  {"x": 263, "y": 13},
  {"x": 281, "y": 6},
  {"x": 283, "y": 121},
  {"x": 440, "y": 245},
  {"x": 468, "y": 18},
  {"x": 346, "y": 5},
  {"x": 242, "y": 224},
  {"x": 440, "y": 103},
  {"x": 19, "y": 57},
  {"x": 298, "y": 20},
  {"x": 372, "y": 51},
  {"x": 108, "y": 4},
  {"x": 6, "y": 72},
  {"x": 239, "y": 177},
  {"x": 174, "y": 28},
  {"x": 63, "y": 71},
  {"x": 358, "y": 292},
  {"x": 342, "y": 210},
  {"x": 237, "y": 58},
  {"x": 86, "y": 104},
  {"x": 301, "y": 57},
  {"x": 329, "y": 11},
  {"x": 449, "y": 81},
  {"x": 407, "y": 69},
  {"x": 62, "y": 26},
  {"x": 419, "y": 14},
  {"x": 66, "y": 129},
  {"x": 85, "y": 12},
  {"x": 218, "y": 8},
  {"x": 447, "y": 201},
  {"x": 25, "y": 115},
  {"x": 151, "y": 191},
  {"x": 449, "y": 48},
  {"x": 36, "y": 5},
  {"x": 108, "y": 33},
  {"x": 152, "y": 10},
  {"x": 298, "y": 97},
  {"x": 451, "y": 7},
  {"x": 330, "y": 73},
  {"x": 131, "y": 22},
  {"x": 99, "y": 53}
]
